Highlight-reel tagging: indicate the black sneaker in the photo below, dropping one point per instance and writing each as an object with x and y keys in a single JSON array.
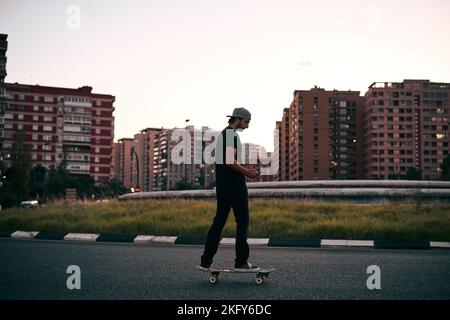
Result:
[
  {"x": 205, "y": 266},
  {"x": 247, "y": 267}
]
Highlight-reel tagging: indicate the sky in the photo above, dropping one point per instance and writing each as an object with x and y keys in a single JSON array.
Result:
[{"x": 172, "y": 60}]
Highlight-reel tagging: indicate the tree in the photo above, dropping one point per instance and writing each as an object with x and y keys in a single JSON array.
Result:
[
  {"x": 55, "y": 185},
  {"x": 181, "y": 185},
  {"x": 116, "y": 187},
  {"x": 58, "y": 180},
  {"x": 211, "y": 185},
  {"x": 394, "y": 176},
  {"x": 110, "y": 189},
  {"x": 445, "y": 168},
  {"x": 18, "y": 174},
  {"x": 84, "y": 185},
  {"x": 8, "y": 198},
  {"x": 38, "y": 182},
  {"x": 413, "y": 174}
]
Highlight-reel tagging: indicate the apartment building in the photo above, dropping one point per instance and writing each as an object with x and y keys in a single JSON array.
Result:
[
  {"x": 321, "y": 136},
  {"x": 62, "y": 124},
  {"x": 406, "y": 128}
]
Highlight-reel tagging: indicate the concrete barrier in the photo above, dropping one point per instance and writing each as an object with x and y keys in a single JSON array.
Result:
[
  {"x": 336, "y": 193},
  {"x": 404, "y": 184}
]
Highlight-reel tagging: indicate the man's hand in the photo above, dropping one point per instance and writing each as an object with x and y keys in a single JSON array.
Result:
[
  {"x": 249, "y": 173},
  {"x": 252, "y": 173}
]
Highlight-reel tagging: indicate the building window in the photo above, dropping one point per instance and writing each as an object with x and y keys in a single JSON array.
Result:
[
  {"x": 20, "y": 116},
  {"x": 36, "y": 108},
  {"x": 34, "y": 137},
  {"x": 35, "y": 128},
  {"x": 47, "y": 128}
]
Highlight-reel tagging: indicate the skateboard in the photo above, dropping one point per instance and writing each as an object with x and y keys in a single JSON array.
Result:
[{"x": 261, "y": 274}]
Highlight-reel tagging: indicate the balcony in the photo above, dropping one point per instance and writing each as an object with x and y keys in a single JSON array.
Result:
[
  {"x": 71, "y": 141},
  {"x": 70, "y": 111},
  {"x": 72, "y": 103}
]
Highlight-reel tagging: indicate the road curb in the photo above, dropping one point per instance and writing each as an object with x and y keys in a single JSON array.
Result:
[{"x": 253, "y": 242}]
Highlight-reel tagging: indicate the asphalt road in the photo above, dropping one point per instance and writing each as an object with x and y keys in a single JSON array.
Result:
[{"x": 36, "y": 269}]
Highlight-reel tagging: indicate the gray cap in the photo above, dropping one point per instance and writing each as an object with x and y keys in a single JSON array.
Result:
[{"x": 241, "y": 113}]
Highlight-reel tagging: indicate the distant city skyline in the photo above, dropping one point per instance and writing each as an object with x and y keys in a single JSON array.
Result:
[{"x": 167, "y": 61}]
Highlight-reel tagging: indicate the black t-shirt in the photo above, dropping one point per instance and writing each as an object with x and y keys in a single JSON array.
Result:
[{"x": 227, "y": 178}]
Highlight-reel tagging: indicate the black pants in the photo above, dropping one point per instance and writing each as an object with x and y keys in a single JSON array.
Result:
[{"x": 227, "y": 199}]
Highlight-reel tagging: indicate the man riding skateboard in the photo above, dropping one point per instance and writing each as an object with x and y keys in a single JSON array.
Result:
[{"x": 231, "y": 192}]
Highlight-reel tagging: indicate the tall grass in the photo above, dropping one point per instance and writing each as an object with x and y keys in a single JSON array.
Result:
[{"x": 298, "y": 219}]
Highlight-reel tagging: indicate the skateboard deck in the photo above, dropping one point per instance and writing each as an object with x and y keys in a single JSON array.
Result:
[{"x": 261, "y": 274}]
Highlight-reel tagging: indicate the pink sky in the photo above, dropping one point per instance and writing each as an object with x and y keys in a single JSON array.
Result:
[{"x": 167, "y": 61}]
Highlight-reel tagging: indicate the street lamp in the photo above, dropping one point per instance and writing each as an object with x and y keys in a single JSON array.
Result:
[
  {"x": 186, "y": 156},
  {"x": 133, "y": 152}
]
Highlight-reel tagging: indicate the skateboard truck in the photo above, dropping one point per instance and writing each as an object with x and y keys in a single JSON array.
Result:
[{"x": 261, "y": 274}]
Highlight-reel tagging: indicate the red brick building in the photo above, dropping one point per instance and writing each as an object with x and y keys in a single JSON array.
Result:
[
  {"x": 122, "y": 169},
  {"x": 406, "y": 127},
  {"x": 75, "y": 125},
  {"x": 322, "y": 136},
  {"x": 285, "y": 145},
  {"x": 3, "y": 48}
]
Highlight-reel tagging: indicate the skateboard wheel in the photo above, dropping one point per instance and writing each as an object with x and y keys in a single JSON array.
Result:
[
  {"x": 212, "y": 279},
  {"x": 259, "y": 280}
]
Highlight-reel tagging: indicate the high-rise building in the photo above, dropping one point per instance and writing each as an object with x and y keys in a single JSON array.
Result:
[
  {"x": 122, "y": 161},
  {"x": 3, "y": 48},
  {"x": 277, "y": 133},
  {"x": 73, "y": 127},
  {"x": 157, "y": 171},
  {"x": 197, "y": 173},
  {"x": 321, "y": 137},
  {"x": 285, "y": 145},
  {"x": 406, "y": 129}
]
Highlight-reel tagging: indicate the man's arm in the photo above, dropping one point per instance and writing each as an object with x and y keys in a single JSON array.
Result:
[{"x": 236, "y": 166}]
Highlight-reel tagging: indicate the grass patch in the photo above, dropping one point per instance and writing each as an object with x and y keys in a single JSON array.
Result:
[{"x": 287, "y": 219}]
